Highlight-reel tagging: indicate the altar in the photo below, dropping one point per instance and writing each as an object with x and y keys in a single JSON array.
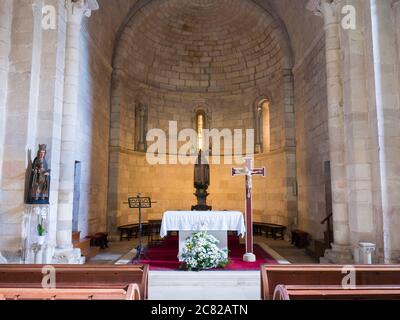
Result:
[{"x": 216, "y": 223}]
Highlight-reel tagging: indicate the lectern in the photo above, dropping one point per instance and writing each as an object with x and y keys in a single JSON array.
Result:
[{"x": 140, "y": 203}]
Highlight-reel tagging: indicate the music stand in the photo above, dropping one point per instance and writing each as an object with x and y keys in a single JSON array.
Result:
[{"x": 140, "y": 203}]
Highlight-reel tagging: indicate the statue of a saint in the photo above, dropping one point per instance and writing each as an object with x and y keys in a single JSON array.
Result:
[{"x": 40, "y": 179}]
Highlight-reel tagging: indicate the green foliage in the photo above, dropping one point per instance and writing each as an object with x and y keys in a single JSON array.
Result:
[{"x": 40, "y": 229}]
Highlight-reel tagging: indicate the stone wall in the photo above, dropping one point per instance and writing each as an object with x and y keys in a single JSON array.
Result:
[
  {"x": 171, "y": 186},
  {"x": 302, "y": 26},
  {"x": 312, "y": 137}
]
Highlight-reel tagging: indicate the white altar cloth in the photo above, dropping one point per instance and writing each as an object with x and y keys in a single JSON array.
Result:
[
  {"x": 202, "y": 221},
  {"x": 216, "y": 223}
]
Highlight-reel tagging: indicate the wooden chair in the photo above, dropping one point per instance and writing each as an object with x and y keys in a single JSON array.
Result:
[
  {"x": 77, "y": 276},
  {"x": 284, "y": 292},
  {"x": 273, "y": 275},
  {"x": 132, "y": 292},
  {"x": 154, "y": 228}
]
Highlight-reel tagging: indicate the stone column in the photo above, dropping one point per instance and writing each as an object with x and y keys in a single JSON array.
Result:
[
  {"x": 20, "y": 115},
  {"x": 141, "y": 113},
  {"x": 75, "y": 13},
  {"x": 359, "y": 148},
  {"x": 341, "y": 249},
  {"x": 258, "y": 119},
  {"x": 5, "y": 42},
  {"x": 386, "y": 87},
  {"x": 396, "y": 18},
  {"x": 290, "y": 146}
]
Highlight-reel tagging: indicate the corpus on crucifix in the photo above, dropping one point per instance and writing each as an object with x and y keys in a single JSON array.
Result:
[{"x": 248, "y": 171}]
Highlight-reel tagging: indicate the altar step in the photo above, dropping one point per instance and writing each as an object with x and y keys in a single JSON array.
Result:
[{"x": 204, "y": 285}]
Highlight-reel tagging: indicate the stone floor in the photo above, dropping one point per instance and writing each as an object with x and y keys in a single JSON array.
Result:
[
  {"x": 122, "y": 250},
  {"x": 204, "y": 285}
]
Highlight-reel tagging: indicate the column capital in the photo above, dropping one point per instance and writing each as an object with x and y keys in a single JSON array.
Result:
[
  {"x": 325, "y": 8},
  {"x": 77, "y": 9}
]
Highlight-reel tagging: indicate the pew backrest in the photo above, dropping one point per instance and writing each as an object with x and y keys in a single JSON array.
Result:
[
  {"x": 283, "y": 292},
  {"x": 273, "y": 275},
  {"x": 77, "y": 276},
  {"x": 132, "y": 292}
]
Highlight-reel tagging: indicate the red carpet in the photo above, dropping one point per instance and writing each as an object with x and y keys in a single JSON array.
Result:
[{"x": 164, "y": 256}]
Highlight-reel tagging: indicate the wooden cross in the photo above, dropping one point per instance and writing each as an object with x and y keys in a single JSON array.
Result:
[{"x": 249, "y": 172}]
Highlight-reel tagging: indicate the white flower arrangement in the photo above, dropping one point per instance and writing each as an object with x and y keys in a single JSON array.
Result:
[{"x": 200, "y": 251}]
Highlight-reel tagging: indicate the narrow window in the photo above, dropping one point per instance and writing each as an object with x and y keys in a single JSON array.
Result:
[
  {"x": 262, "y": 127},
  {"x": 200, "y": 123}
]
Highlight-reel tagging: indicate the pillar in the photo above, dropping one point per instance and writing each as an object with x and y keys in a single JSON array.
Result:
[
  {"x": 75, "y": 13},
  {"x": 20, "y": 115},
  {"x": 359, "y": 147},
  {"x": 341, "y": 249},
  {"x": 384, "y": 16},
  {"x": 141, "y": 114},
  {"x": 5, "y": 39}
]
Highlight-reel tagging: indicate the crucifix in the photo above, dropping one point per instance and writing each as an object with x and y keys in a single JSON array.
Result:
[{"x": 248, "y": 171}]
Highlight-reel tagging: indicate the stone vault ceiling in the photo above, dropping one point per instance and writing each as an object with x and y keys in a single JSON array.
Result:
[{"x": 200, "y": 45}]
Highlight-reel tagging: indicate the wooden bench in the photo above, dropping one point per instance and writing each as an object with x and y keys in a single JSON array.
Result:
[
  {"x": 273, "y": 275},
  {"x": 131, "y": 292},
  {"x": 283, "y": 292},
  {"x": 127, "y": 231},
  {"x": 77, "y": 276},
  {"x": 275, "y": 230},
  {"x": 130, "y": 231}
]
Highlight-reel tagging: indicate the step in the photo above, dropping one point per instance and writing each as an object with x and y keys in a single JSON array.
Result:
[{"x": 204, "y": 285}]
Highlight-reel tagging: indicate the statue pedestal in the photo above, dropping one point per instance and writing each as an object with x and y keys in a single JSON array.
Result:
[{"x": 34, "y": 246}]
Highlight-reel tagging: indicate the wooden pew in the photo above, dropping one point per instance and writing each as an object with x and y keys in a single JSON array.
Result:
[
  {"x": 273, "y": 275},
  {"x": 283, "y": 292},
  {"x": 132, "y": 292},
  {"x": 77, "y": 276}
]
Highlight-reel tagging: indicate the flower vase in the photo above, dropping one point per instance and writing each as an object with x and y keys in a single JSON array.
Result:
[{"x": 41, "y": 239}]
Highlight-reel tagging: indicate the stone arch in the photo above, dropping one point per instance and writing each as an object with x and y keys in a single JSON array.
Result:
[{"x": 256, "y": 71}]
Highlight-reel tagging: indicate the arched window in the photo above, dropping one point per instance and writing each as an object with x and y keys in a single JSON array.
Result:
[
  {"x": 141, "y": 116},
  {"x": 200, "y": 126},
  {"x": 262, "y": 126}
]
